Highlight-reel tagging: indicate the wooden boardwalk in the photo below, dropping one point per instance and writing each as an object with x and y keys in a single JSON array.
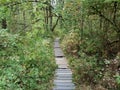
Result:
[{"x": 63, "y": 75}]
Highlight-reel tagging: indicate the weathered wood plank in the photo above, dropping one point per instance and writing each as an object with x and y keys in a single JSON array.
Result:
[
  {"x": 66, "y": 85},
  {"x": 62, "y": 58},
  {"x": 56, "y": 45},
  {"x": 63, "y": 81},
  {"x": 62, "y": 66},
  {"x": 63, "y": 69},
  {"x": 58, "y": 52},
  {"x": 64, "y": 88},
  {"x": 63, "y": 78},
  {"x": 57, "y": 40},
  {"x": 64, "y": 73},
  {"x": 61, "y": 61}
]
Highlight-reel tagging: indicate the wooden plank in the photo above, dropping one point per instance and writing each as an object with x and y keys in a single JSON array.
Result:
[
  {"x": 66, "y": 85},
  {"x": 56, "y": 45},
  {"x": 62, "y": 66},
  {"x": 58, "y": 53},
  {"x": 63, "y": 81},
  {"x": 63, "y": 71},
  {"x": 61, "y": 63},
  {"x": 64, "y": 88},
  {"x": 63, "y": 78},
  {"x": 62, "y": 58},
  {"x": 58, "y": 50},
  {"x": 57, "y": 39}
]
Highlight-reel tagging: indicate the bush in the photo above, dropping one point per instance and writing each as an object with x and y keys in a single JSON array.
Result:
[
  {"x": 27, "y": 62},
  {"x": 91, "y": 67},
  {"x": 70, "y": 43}
]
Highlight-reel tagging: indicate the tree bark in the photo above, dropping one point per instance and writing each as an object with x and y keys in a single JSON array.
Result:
[
  {"x": 4, "y": 23},
  {"x": 24, "y": 19},
  {"x": 50, "y": 14},
  {"x": 53, "y": 28}
]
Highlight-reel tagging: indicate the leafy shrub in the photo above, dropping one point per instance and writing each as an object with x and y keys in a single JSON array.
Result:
[
  {"x": 27, "y": 62},
  {"x": 91, "y": 67},
  {"x": 70, "y": 43},
  {"x": 8, "y": 42}
]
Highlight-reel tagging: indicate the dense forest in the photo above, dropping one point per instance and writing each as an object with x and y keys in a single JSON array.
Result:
[{"x": 89, "y": 32}]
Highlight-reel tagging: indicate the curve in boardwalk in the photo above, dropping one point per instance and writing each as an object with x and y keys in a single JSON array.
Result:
[{"x": 63, "y": 75}]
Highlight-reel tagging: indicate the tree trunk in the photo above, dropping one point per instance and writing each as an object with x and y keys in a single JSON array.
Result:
[
  {"x": 50, "y": 14},
  {"x": 4, "y": 23},
  {"x": 82, "y": 26},
  {"x": 53, "y": 28},
  {"x": 46, "y": 18},
  {"x": 24, "y": 19}
]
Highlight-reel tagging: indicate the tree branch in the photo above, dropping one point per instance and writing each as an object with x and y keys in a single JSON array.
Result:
[
  {"x": 115, "y": 11},
  {"x": 107, "y": 19},
  {"x": 55, "y": 23}
]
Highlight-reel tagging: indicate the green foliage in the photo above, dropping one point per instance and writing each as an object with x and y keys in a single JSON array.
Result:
[
  {"x": 26, "y": 52},
  {"x": 3, "y": 13},
  {"x": 117, "y": 79},
  {"x": 92, "y": 41},
  {"x": 87, "y": 70},
  {"x": 27, "y": 62},
  {"x": 71, "y": 42}
]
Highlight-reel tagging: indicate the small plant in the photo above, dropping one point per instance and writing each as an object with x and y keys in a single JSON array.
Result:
[{"x": 117, "y": 79}]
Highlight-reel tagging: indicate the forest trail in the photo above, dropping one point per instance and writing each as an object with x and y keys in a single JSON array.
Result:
[{"x": 63, "y": 74}]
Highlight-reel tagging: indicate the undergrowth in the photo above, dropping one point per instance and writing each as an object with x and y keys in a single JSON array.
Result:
[
  {"x": 26, "y": 62},
  {"x": 90, "y": 70}
]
